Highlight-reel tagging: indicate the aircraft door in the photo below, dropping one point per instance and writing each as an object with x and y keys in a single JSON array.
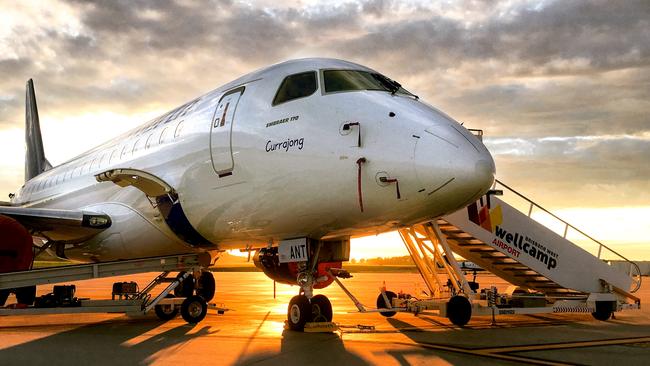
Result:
[{"x": 221, "y": 132}]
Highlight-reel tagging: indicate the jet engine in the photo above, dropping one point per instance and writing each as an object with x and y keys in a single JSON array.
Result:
[{"x": 332, "y": 254}]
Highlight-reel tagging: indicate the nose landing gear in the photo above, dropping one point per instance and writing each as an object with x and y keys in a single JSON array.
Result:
[
  {"x": 303, "y": 310},
  {"x": 306, "y": 307}
]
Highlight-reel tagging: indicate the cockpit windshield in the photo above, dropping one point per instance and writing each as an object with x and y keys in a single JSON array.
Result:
[{"x": 348, "y": 80}]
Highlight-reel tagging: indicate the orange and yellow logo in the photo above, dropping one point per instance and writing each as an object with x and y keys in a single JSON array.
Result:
[{"x": 485, "y": 217}]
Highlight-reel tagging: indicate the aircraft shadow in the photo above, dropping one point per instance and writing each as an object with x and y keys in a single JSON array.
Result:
[
  {"x": 297, "y": 348},
  {"x": 107, "y": 342}
]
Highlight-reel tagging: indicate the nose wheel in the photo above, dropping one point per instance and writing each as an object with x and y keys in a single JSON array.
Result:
[
  {"x": 299, "y": 312},
  {"x": 321, "y": 309},
  {"x": 302, "y": 310}
]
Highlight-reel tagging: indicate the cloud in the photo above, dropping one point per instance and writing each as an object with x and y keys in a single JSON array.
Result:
[{"x": 605, "y": 170}]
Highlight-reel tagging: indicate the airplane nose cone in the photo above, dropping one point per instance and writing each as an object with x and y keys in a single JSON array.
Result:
[{"x": 453, "y": 165}]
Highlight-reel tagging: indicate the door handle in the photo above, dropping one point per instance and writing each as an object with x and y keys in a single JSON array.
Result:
[
  {"x": 391, "y": 180},
  {"x": 348, "y": 126}
]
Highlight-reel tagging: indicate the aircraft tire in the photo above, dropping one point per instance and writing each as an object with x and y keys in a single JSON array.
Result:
[
  {"x": 321, "y": 309},
  {"x": 26, "y": 295},
  {"x": 298, "y": 312},
  {"x": 603, "y": 310},
  {"x": 166, "y": 312},
  {"x": 459, "y": 310},
  {"x": 194, "y": 309},
  {"x": 186, "y": 288},
  {"x": 381, "y": 303},
  {"x": 206, "y": 286}
]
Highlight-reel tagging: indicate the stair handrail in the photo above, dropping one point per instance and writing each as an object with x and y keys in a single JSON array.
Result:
[{"x": 637, "y": 283}]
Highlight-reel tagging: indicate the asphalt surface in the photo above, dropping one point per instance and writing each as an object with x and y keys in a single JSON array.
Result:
[{"x": 252, "y": 332}]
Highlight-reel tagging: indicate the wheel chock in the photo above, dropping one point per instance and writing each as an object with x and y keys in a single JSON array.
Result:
[{"x": 321, "y": 327}]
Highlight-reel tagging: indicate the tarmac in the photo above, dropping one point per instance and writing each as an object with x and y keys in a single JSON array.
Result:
[{"x": 252, "y": 332}]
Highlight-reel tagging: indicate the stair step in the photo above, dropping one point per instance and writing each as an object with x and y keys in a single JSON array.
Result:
[
  {"x": 546, "y": 287},
  {"x": 484, "y": 250},
  {"x": 468, "y": 239},
  {"x": 447, "y": 227},
  {"x": 458, "y": 235},
  {"x": 450, "y": 229},
  {"x": 517, "y": 269},
  {"x": 567, "y": 293},
  {"x": 504, "y": 263},
  {"x": 470, "y": 242},
  {"x": 529, "y": 275},
  {"x": 472, "y": 245},
  {"x": 501, "y": 256}
]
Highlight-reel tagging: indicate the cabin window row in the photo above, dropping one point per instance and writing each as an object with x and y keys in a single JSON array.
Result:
[{"x": 107, "y": 158}]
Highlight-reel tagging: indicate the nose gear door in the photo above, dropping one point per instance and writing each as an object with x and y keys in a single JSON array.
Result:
[{"x": 221, "y": 132}]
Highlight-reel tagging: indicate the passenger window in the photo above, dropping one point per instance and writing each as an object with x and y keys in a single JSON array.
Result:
[
  {"x": 148, "y": 142},
  {"x": 296, "y": 86},
  {"x": 136, "y": 146},
  {"x": 100, "y": 163},
  {"x": 161, "y": 139},
  {"x": 179, "y": 128}
]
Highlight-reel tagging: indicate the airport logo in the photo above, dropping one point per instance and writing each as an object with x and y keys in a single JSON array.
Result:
[{"x": 513, "y": 243}]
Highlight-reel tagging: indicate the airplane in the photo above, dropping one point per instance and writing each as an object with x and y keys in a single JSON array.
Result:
[
  {"x": 470, "y": 266},
  {"x": 289, "y": 161},
  {"x": 464, "y": 265}
]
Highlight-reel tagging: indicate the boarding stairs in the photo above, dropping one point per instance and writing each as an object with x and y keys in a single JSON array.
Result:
[
  {"x": 500, "y": 264},
  {"x": 514, "y": 246}
]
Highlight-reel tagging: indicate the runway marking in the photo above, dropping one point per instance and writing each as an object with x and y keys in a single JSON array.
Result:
[
  {"x": 565, "y": 345},
  {"x": 535, "y": 322},
  {"x": 505, "y": 353},
  {"x": 498, "y": 356}
]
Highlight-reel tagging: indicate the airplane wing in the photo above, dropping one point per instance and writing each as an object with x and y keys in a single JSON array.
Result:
[{"x": 70, "y": 226}]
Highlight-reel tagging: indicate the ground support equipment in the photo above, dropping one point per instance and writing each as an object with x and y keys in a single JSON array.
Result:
[
  {"x": 193, "y": 308},
  {"x": 451, "y": 295}
]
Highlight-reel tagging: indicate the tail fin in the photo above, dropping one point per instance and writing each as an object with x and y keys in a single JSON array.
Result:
[{"x": 35, "y": 161}]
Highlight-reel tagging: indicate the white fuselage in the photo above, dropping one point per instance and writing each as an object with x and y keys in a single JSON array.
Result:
[{"x": 290, "y": 170}]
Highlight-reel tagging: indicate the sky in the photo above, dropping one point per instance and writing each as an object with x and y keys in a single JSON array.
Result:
[{"x": 561, "y": 88}]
